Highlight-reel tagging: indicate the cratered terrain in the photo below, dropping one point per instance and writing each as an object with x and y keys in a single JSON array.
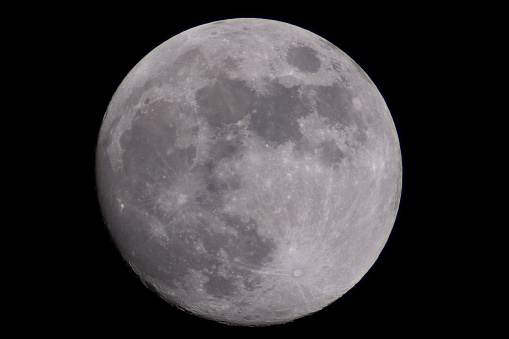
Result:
[{"x": 248, "y": 171}]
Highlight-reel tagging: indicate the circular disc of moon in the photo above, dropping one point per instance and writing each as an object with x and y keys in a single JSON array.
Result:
[{"x": 248, "y": 171}]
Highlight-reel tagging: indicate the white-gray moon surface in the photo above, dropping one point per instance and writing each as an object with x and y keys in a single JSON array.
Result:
[{"x": 249, "y": 171}]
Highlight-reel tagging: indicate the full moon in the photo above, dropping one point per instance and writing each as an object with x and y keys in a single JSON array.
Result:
[{"x": 248, "y": 171}]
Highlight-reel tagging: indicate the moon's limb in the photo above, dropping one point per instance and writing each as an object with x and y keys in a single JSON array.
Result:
[{"x": 249, "y": 171}]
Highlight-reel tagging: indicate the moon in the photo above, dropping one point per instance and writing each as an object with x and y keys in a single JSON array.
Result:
[{"x": 248, "y": 171}]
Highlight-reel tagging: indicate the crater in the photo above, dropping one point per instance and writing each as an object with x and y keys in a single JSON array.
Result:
[
  {"x": 297, "y": 272},
  {"x": 182, "y": 199}
]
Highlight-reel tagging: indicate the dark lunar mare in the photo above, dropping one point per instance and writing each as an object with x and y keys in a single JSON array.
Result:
[{"x": 148, "y": 169}]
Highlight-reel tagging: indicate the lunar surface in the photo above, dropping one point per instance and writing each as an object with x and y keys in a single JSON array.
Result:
[{"x": 248, "y": 171}]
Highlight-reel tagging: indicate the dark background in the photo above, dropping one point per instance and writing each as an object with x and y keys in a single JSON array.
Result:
[{"x": 424, "y": 279}]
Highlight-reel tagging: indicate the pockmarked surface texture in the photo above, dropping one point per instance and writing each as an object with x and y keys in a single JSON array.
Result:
[{"x": 249, "y": 171}]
